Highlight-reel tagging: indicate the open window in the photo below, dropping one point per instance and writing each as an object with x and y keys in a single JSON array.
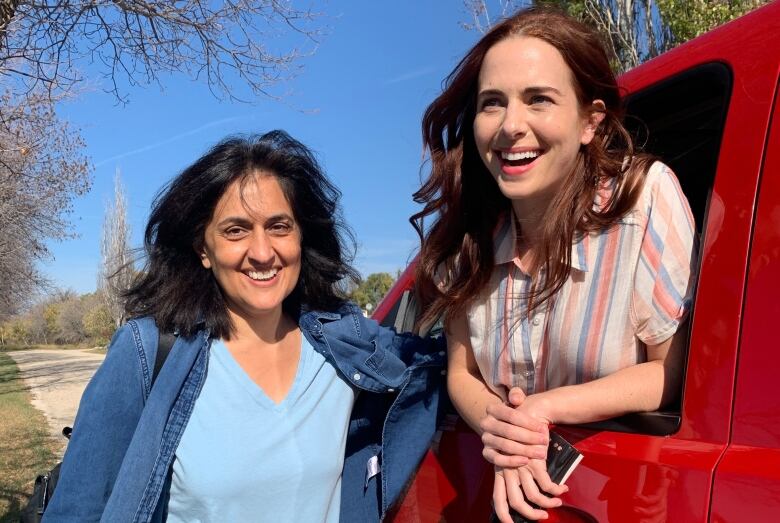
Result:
[
  {"x": 403, "y": 314},
  {"x": 680, "y": 120}
]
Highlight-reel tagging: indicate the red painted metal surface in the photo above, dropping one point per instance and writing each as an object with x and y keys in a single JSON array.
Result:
[
  {"x": 747, "y": 482},
  {"x": 403, "y": 282},
  {"x": 636, "y": 477},
  {"x": 746, "y": 45},
  {"x": 748, "y": 486}
]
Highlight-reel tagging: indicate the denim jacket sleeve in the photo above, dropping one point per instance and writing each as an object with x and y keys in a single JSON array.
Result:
[
  {"x": 391, "y": 429},
  {"x": 107, "y": 416}
]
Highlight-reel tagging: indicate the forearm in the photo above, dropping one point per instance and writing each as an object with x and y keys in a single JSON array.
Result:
[
  {"x": 471, "y": 397},
  {"x": 639, "y": 388}
]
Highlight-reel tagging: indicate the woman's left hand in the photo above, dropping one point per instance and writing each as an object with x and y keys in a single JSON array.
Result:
[{"x": 519, "y": 428}]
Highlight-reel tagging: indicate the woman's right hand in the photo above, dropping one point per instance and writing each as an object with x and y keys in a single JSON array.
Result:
[
  {"x": 518, "y": 488},
  {"x": 512, "y": 436}
]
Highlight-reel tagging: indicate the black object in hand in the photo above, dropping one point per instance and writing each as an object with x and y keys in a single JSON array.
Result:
[{"x": 562, "y": 459}]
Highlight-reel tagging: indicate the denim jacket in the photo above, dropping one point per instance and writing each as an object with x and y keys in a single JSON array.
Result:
[{"x": 118, "y": 464}]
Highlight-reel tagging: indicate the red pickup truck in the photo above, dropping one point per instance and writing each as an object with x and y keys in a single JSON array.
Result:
[{"x": 709, "y": 108}]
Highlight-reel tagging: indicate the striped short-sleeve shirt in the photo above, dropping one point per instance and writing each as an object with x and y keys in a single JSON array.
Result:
[{"x": 630, "y": 286}]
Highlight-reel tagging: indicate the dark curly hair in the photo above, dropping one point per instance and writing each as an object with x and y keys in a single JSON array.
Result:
[{"x": 174, "y": 288}]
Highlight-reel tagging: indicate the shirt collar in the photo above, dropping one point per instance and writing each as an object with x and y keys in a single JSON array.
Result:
[{"x": 505, "y": 245}]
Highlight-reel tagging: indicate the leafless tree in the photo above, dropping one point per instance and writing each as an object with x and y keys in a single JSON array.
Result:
[
  {"x": 483, "y": 16},
  {"x": 42, "y": 168},
  {"x": 618, "y": 20},
  {"x": 116, "y": 268},
  {"x": 228, "y": 43},
  {"x": 628, "y": 25}
]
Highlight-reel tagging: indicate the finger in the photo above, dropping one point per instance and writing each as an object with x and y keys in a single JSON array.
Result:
[
  {"x": 516, "y": 396},
  {"x": 532, "y": 492},
  {"x": 503, "y": 460},
  {"x": 516, "y": 494},
  {"x": 538, "y": 469},
  {"x": 500, "y": 504},
  {"x": 499, "y": 413},
  {"x": 514, "y": 448},
  {"x": 520, "y": 434}
]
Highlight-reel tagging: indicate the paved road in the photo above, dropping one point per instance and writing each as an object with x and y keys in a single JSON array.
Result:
[{"x": 56, "y": 379}]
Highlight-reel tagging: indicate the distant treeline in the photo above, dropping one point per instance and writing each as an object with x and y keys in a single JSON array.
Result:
[
  {"x": 61, "y": 319},
  {"x": 68, "y": 318}
]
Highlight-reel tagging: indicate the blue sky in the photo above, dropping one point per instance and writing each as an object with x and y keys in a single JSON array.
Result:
[{"x": 357, "y": 104}]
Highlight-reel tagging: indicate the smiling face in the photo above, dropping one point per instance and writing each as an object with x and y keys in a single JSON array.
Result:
[
  {"x": 253, "y": 246},
  {"x": 529, "y": 125}
]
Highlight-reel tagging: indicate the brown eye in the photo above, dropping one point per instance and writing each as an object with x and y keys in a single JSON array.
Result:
[
  {"x": 280, "y": 228},
  {"x": 540, "y": 99},
  {"x": 488, "y": 103},
  {"x": 235, "y": 232}
]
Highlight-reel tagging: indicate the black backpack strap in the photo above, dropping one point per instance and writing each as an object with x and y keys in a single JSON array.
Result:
[{"x": 165, "y": 342}]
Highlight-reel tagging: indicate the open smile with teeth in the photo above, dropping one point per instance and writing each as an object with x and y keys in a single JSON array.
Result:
[
  {"x": 525, "y": 156},
  {"x": 262, "y": 275}
]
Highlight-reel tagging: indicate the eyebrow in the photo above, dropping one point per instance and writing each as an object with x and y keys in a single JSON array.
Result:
[
  {"x": 489, "y": 92},
  {"x": 240, "y": 220},
  {"x": 243, "y": 220},
  {"x": 534, "y": 89}
]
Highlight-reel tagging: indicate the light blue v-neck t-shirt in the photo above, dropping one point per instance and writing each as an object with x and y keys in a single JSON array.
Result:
[{"x": 243, "y": 457}]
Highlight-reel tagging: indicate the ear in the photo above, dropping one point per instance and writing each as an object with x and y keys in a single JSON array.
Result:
[
  {"x": 596, "y": 113},
  {"x": 204, "y": 257}
]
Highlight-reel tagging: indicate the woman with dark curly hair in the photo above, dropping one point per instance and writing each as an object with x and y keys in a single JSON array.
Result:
[
  {"x": 560, "y": 257},
  {"x": 279, "y": 401}
]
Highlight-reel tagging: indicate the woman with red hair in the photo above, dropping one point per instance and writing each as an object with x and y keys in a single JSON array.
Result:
[{"x": 558, "y": 255}]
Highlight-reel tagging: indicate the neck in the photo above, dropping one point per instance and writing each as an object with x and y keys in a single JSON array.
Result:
[
  {"x": 267, "y": 329},
  {"x": 529, "y": 216}
]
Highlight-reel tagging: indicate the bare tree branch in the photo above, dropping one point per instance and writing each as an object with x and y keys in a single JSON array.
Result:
[
  {"x": 480, "y": 12},
  {"x": 229, "y": 44}
]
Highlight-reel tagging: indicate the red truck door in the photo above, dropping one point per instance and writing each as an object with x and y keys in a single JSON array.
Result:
[{"x": 747, "y": 480}]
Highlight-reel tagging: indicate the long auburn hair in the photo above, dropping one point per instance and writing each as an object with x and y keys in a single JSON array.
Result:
[
  {"x": 456, "y": 253},
  {"x": 173, "y": 286}
]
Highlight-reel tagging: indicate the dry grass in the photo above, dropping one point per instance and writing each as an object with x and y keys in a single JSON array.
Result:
[{"x": 26, "y": 449}]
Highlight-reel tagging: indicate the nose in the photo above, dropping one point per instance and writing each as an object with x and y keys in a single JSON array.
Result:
[
  {"x": 261, "y": 248},
  {"x": 515, "y": 123}
]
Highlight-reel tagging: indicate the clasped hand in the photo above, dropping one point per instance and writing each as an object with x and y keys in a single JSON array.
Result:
[{"x": 515, "y": 438}]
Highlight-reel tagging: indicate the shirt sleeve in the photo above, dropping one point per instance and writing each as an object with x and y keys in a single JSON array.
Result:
[{"x": 665, "y": 270}]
